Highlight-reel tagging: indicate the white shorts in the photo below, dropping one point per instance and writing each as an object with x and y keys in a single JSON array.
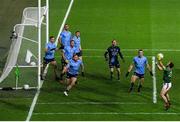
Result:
[{"x": 167, "y": 86}]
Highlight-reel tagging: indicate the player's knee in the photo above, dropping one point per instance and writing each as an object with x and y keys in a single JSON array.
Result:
[
  {"x": 118, "y": 69},
  {"x": 53, "y": 63},
  {"x": 133, "y": 79},
  {"x": 162, "y": 94},
  {"x": 73, "y": 83}
]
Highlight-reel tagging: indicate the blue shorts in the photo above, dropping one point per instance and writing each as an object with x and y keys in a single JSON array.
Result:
[
  {"x": 46, "y": 61},
  {"x": 68, "y": 76},
  {"x": 114, "y": 64},
  {"x": 139, "y": 75}
]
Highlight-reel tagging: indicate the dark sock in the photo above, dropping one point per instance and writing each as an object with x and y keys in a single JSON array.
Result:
[
  {"x": 67, "y": 90},
  {"x": 131, "y": 87},
  {"x": 169, "y": 102},
  {"x": 139, "y": 88},
  {"x": 111, "y": 75},
  {"x": 118, "y": 75}
]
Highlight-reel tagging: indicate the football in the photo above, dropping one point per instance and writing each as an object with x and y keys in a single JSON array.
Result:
[
  {"x": 160, "y": 56},
  {"x": 26, "y": 87},
  {"x": 33, "y": 63}
]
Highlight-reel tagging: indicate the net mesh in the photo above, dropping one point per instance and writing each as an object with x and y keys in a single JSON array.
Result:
[{"x": 24, "y": 50}]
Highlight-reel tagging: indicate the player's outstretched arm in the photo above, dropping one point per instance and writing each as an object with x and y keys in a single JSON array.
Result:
[
  {"x": 59, "y": 40},
  {"x": 129, "y": 70},
  {"x": 105, "y": 55},
  {"x": 121, "y": 55},
  {"x": 65, "y": 69},
  {"x": 63, "y": 56},
  {"x": 149, "y": 68},
  {"x": 46, "y": 50},
  {"x": 160, "y": 65}
]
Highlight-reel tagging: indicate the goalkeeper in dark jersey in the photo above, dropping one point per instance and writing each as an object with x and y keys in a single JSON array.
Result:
[
  {"x": 111, "y": 55},
  {"x": 167, "y": 75}
]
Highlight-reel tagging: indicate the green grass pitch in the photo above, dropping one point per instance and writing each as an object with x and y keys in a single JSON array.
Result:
[{"x": 146, "y": 24}]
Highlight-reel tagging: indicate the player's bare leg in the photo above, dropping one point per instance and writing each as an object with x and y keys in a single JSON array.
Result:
[
  {"x": 140, "y": 84},
  {"x": 133, "y": 80},
  {"x": 68, "y": 82},
  {"x": 163, "y": 92},
  {"x": 111, "y": 73},
  {"x": 118, "y": 73},
  {"x": 42, "y": 70},
  {"x": 55, "y": 70},
  {"x": 62, "y": 75},
  {"x": 168, "y": 98},
  {"x": 71, "y": 84}
]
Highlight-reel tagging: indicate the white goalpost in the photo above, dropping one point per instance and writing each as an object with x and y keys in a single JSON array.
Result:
[
  {"x": 28, "y": 38},
  {"x": 154, "y": 79},
  {"x": 39, "y": 43}
]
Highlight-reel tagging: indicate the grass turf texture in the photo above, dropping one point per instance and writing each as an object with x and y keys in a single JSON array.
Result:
[{"x": 151, "y": 24}]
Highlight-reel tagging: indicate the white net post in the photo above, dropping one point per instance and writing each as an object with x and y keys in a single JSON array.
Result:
[
  {"x": 47, "y": 30},
  {"x": 26, "y": 43},
  {"x": 39, "y": 44},
  {"x": 47, "y": 21},
  {"x": 154, "y": 79}
]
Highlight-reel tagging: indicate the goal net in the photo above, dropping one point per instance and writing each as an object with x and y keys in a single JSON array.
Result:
[{"x": 22, "y": 63}]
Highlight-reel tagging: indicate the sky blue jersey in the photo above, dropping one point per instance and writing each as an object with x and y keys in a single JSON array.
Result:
[
  {"x": 77, "y": 42},
  {"x": 73, "y": 66},
  {"x": 65, "y": 38},
  {"x": 140, "y": 64},
  {"x": 69, "y": 52},
  {"x": 50, "y": 53}
]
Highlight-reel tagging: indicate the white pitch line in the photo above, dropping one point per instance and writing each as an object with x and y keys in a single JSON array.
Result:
[
  {"x": 103, "y": 56},
  {"x": 32, "y": 106},
  {"x": 64, "y": 20},
  {"x": 38, "y": 92},
  {"x": 108, "y": 113},
  {"x": 130, "y": 50},
  {"x": 91, "y": 103}
]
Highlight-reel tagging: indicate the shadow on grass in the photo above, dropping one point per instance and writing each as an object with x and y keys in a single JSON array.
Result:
[{"x": 15, "y": 105}]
